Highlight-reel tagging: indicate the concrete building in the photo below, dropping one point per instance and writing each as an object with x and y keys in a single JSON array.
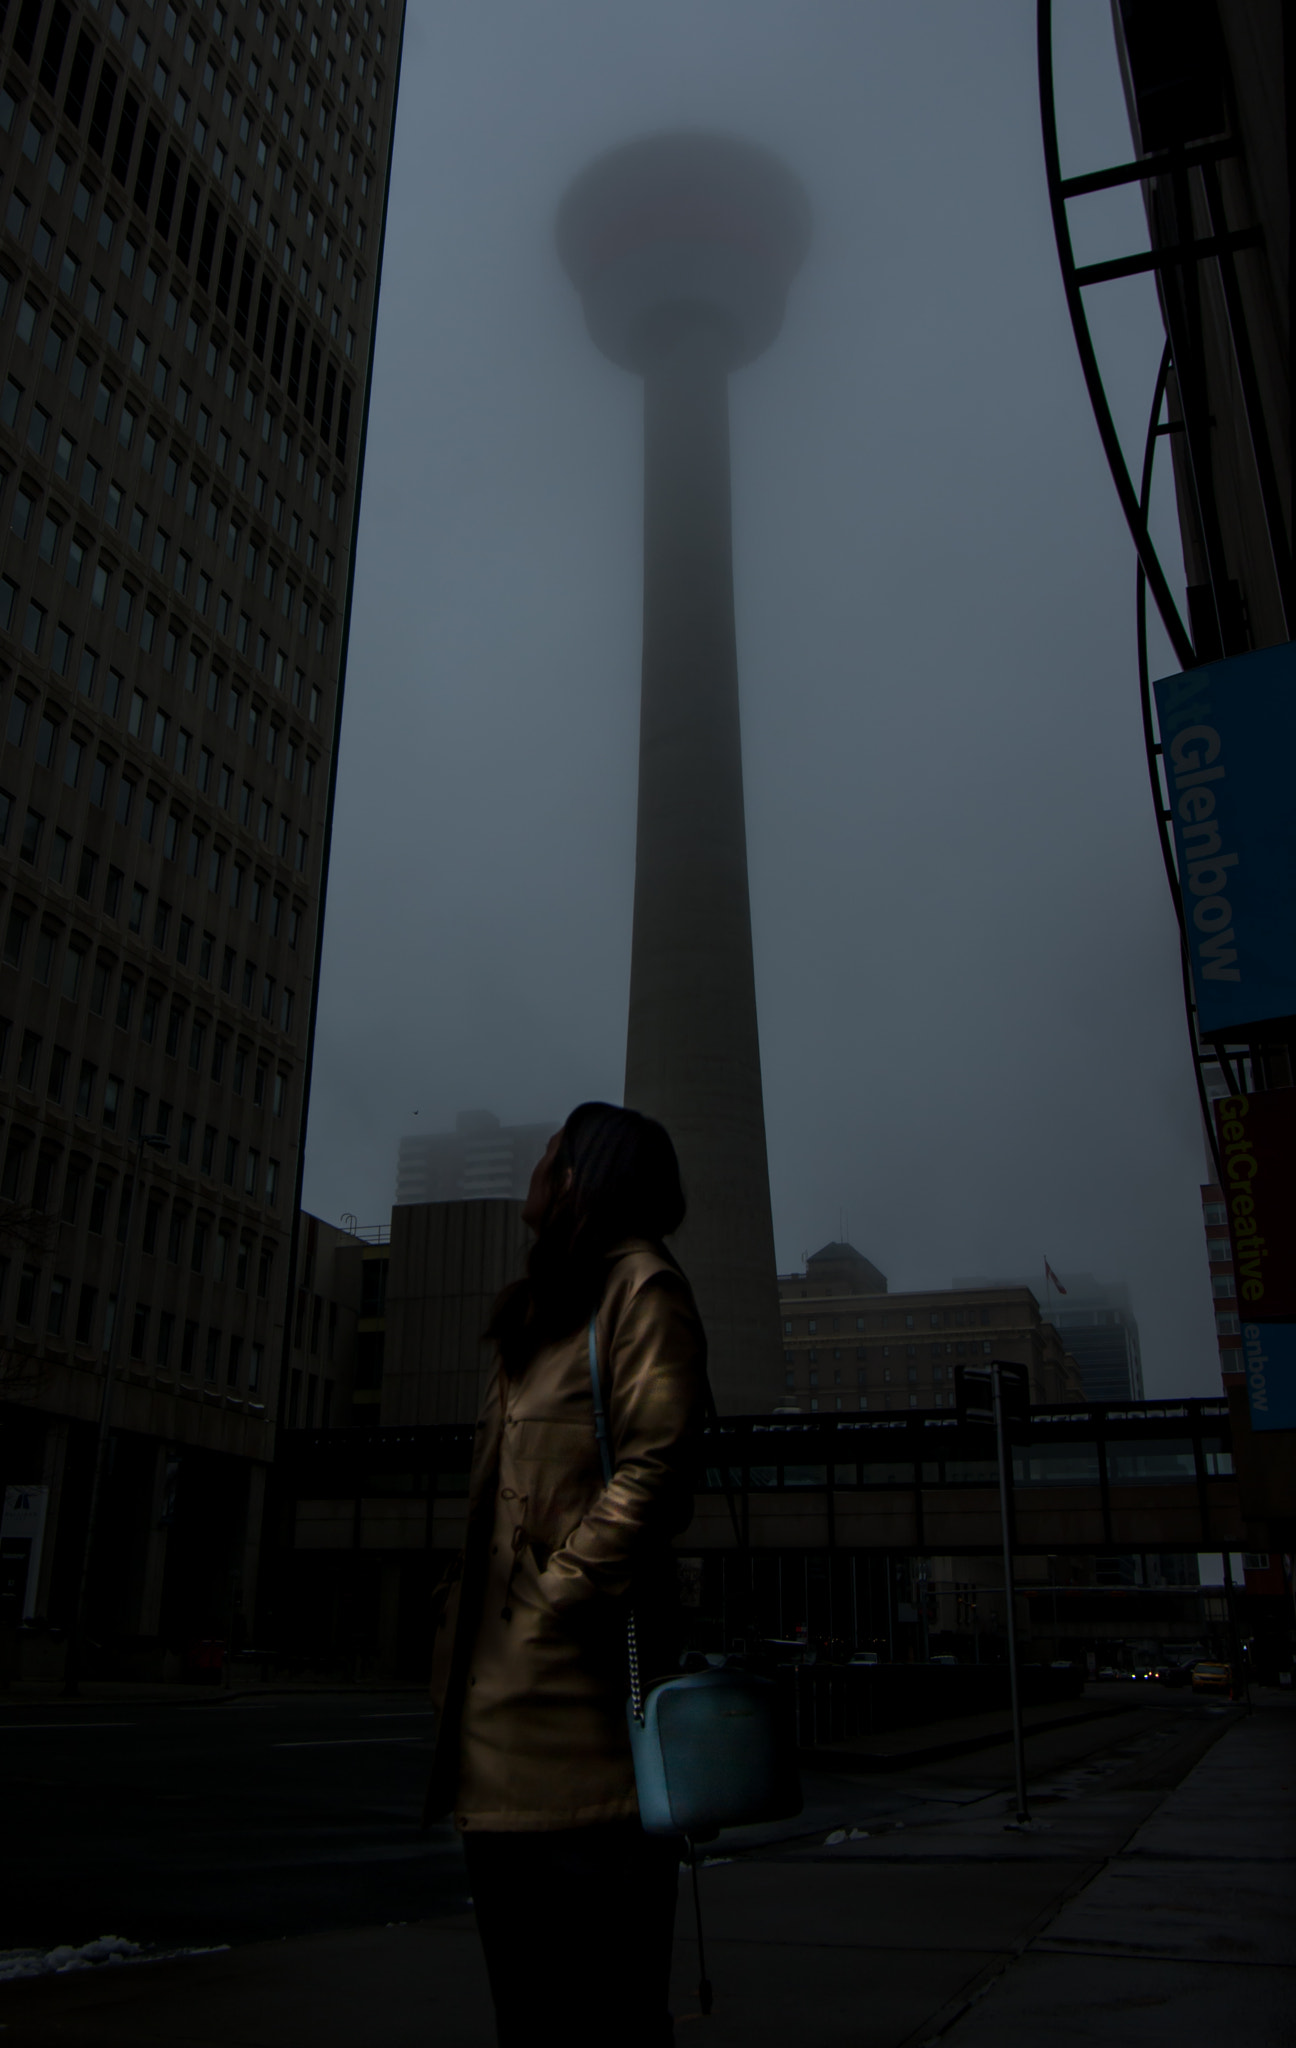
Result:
[
  {"x": 191, "y": 227},
  {"x": 480, "y": 1160},
  {"x": 388, "y": 1319},
  {"x": 1096, "y": 1321},
  {"x": 851, "y": 1345},
  {"x": 682, "y": 247}
]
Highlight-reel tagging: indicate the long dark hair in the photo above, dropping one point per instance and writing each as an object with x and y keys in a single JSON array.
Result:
[{"x": 625, "y": 1182}]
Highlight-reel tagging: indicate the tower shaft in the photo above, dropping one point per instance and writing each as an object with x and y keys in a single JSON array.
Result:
[{"x": 693, "y": 1053}]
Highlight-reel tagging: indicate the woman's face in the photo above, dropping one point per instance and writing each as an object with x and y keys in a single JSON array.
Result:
[{"x": 541, "y": 1193}]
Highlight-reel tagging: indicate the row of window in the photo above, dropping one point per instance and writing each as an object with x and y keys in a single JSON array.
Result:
[
  {"x": 156, "y": 72},
  {"x": 1128, "y": 1462},
  {"x": 947, "y": 1319},
  {"x": 885, "y": 1402},
  {"x": 157, "y": 633},
  {"x": 206, "y": 261},
  {"x": 938, "y": 1374},
  {"x": 146, "y": 1024},
  {"x": 258, "y": 991},
  {"x": 132, "y": 426},
  {"x": 87, "y": 378},
  {"x": 315, "y": 1390},
  {"x": 242, "y": 1168},
  {"x": 167, "y": 1341},
  {"x": 152, "y": 919},
  {"x": 133, "y": 522},
  {"x": 218, "y": 781},
  {"x": 811, "y": 1356},
  {"x": 195, "y": 57}
]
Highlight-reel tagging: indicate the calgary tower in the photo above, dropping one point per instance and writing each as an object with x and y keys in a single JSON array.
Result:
[{"x": 682, "y": 247}]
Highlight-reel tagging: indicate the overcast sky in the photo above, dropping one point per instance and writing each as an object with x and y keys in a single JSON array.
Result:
[{"x": 972, "y": 1030}]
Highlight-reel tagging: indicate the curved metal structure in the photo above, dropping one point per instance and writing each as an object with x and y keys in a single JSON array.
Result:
[{"x": 1181, "y": 185}]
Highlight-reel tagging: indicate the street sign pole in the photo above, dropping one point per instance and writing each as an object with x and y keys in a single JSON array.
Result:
[{"x": 1019, "y": 1750}]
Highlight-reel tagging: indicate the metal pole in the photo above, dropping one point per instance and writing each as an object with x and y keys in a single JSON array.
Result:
[
  {"x": 76, "y": 1641},
  {"x": 1019, "y": 1752}
]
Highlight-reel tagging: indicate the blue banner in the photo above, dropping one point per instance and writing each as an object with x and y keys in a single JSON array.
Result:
[
  {"x": 1269, "y": 1360},
  {"x": 1228, "y": 734}
]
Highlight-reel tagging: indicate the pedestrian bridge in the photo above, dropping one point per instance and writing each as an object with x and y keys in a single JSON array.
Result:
[
  {"x": 1151, "y": 1476},
  {"x": 879, "y": 1530}
]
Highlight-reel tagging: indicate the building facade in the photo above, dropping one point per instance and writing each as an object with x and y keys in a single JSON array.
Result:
[
  {"x": 1097, "y": 1324},
  {"x": 191, "y": 225},
  {"x": 850, "y": 1345},
  {"x": 481, "y": 1159}
]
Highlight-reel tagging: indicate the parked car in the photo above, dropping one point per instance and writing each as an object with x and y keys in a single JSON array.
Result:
[
  {"x": 1210, "y": 1677},
  {"x": 865, "y": 1657},
  {"x": 942, "y": 1660}
]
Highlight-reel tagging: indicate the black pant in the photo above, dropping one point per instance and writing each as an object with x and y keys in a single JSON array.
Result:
[{"x": 577, "y": 1926}]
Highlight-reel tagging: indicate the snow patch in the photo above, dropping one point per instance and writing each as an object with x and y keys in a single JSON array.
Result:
[{"x": 109, "y": 1951}]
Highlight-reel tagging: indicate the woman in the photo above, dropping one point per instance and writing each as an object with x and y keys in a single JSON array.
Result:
[{"x": 575, "y": 1904}]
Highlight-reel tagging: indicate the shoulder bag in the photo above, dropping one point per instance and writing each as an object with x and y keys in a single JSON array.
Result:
[{"x": 709, "y": 1749}]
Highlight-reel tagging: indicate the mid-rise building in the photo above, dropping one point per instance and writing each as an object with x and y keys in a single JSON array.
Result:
[
  {"x": 851, "y": 1345},
  {"x": 191, "y": 225},
  {"x": 480, "y": 1160}
]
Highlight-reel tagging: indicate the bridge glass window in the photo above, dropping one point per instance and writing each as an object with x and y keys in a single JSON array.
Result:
[
  {"x": 887, "y": 1474},
  {"x": 805, "y": 1475},
  {"x": 1056, "y": 1464},
  {"x": 1142, "y": 1464},
  {"x": 972, "y": 1472}
]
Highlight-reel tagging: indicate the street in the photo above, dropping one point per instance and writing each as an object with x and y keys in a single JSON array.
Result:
[{"x": 216, "y": 1819}]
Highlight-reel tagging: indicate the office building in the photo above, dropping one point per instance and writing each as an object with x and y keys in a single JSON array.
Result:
[
  {"x": 682, "y": 247},
  {"x": 191, "y": 226},
  {"x": 481, "y": 1159},
  {"x": 1096, "y": 1321},
  {"x": 850, "y": 1345}
]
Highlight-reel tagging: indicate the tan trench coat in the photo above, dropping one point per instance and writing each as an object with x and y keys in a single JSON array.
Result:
[{"x": 529, "y": 1666}]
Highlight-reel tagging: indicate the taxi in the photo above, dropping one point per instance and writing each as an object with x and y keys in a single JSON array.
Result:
[{"x": 1209, "y": 1677}]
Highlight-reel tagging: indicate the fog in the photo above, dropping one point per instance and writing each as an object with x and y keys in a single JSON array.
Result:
[{"x": 973, "y": 1040}]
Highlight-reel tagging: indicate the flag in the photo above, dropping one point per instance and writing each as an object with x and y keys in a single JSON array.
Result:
[{"x": 1049, "y": 1274}]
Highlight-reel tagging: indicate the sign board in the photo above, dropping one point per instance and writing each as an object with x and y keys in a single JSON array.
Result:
[
  {"x": 22, "y": 1534},
  {"x": 1228, "y": 734},
  {"x": 1257, "y": 1143},
  {"x": 974, "y": 1395},
  {"x": 1269, "y": 1360}
]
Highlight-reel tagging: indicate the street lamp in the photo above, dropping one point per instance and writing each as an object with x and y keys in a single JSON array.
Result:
[{"x": 71, "y": 1670}]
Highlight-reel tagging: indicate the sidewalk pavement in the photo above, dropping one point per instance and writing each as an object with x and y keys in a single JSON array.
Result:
[{"x": 1136, "y": 1914}]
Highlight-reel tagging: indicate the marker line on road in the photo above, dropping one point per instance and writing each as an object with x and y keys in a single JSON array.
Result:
[
  {"x": 51, "y": 1727},
  {"x": 346, "y": 1741}
]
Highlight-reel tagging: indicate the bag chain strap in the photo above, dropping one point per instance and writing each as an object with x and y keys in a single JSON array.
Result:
[{"x": 605, "y": 1458}]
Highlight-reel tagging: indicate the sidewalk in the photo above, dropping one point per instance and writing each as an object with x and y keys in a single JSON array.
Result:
[
  {"x": 1189, "y": 1934},
  {"x": 1136, "y": 1915}
]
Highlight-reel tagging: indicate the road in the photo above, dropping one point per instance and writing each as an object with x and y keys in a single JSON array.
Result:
[{"x": 219, "y": 1819}]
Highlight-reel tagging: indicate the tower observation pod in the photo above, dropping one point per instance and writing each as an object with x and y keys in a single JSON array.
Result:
[{"x": 682, "y": 247}]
